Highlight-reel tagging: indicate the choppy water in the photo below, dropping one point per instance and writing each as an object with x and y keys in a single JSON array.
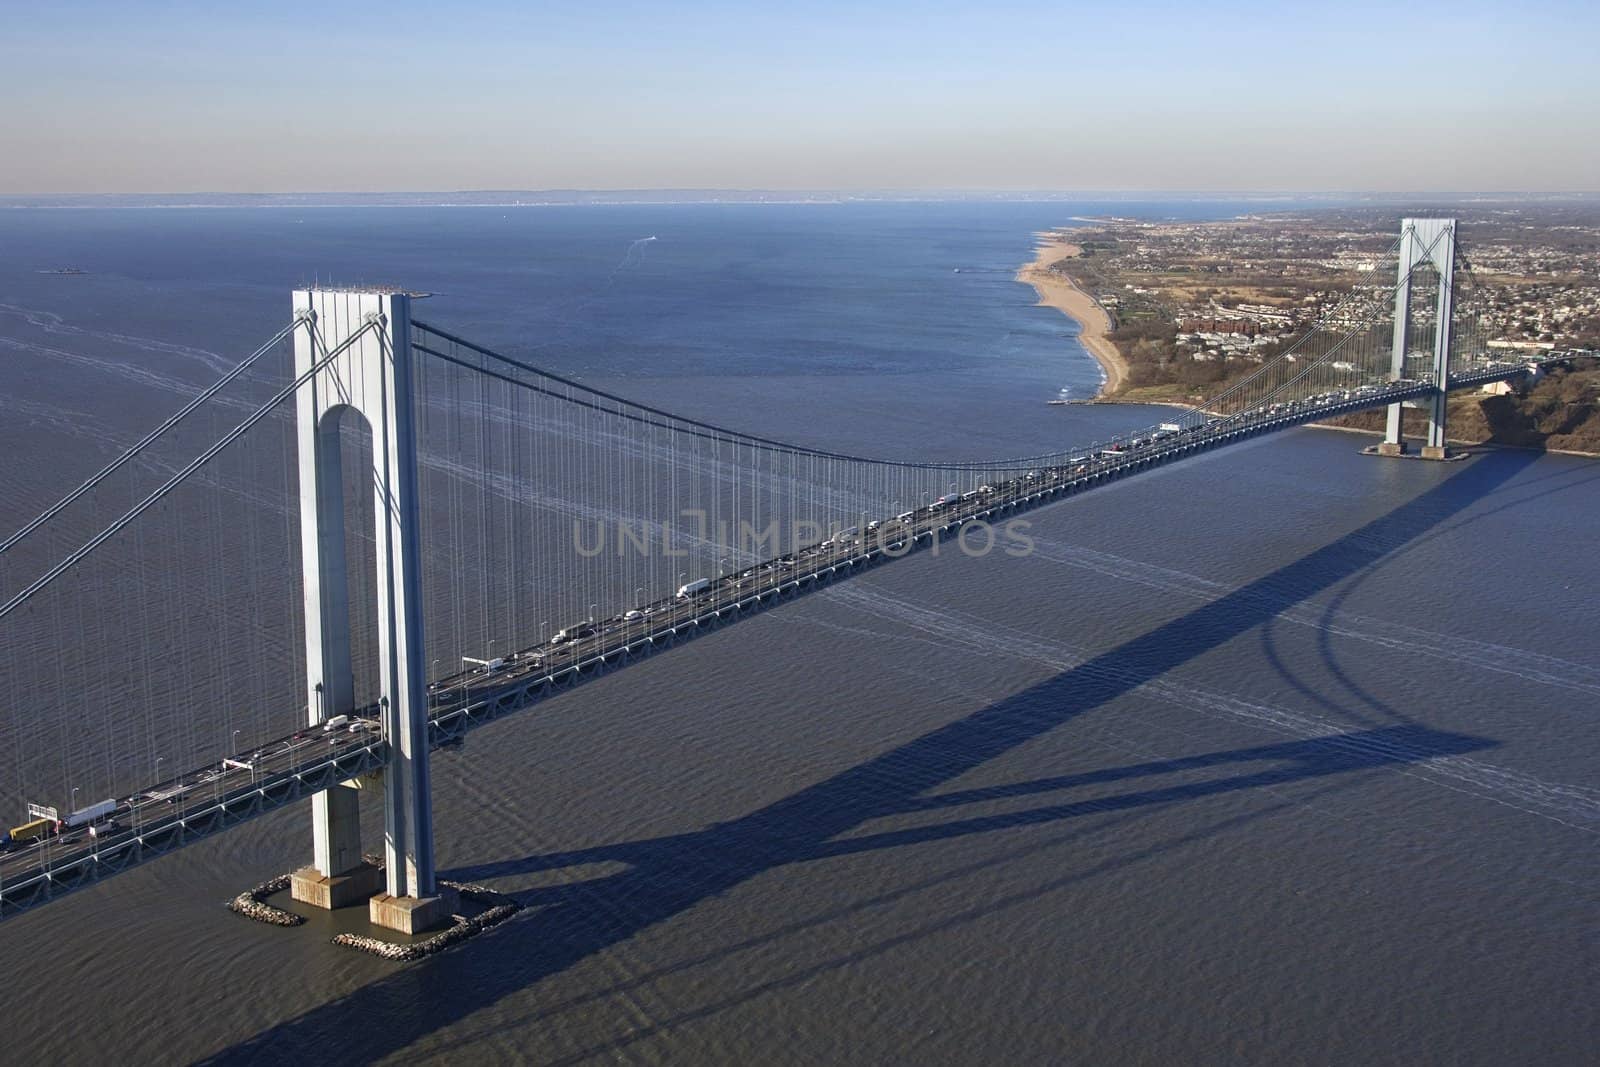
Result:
[{"x": 1280, "y": 755}]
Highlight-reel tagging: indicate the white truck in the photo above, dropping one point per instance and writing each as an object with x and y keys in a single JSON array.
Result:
[
  {"x": 92, "y": 814},
  {"x": 574, "y": 633}
]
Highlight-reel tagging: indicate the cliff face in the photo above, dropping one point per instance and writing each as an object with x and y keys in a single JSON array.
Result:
[{"x": 1561, "y": 412}]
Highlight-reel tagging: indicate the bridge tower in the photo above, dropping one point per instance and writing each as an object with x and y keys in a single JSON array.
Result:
[
  {"x": 370, "y": 378},
  {"x": 1424, "y": 241}
]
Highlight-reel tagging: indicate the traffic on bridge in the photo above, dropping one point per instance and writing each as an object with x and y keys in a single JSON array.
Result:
[{"x": 46, "y": 855}]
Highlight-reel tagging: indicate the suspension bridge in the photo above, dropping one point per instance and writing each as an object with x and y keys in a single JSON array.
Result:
[{"x": 373, "y": 535}]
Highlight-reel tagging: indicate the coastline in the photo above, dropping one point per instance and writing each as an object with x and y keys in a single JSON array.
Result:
[
  {"x": 1057, "y": 291},
  {"x": 1462, "y": 443}
]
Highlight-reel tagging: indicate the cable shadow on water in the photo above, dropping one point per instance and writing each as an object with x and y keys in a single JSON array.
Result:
[
  {"x": 1328, "y": 623},
  {"x": 1568, "y": 479},
  {"x": 860, "y": 951},
  {"x": 666, "y": 877}
]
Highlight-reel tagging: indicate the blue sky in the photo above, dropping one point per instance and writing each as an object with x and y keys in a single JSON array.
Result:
[{"x": 153, "y": 96}]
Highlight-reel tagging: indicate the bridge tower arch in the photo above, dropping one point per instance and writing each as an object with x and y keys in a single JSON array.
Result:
[
  {"x": 370, "y": 377},
  {"x": 1424, "y": 242}
]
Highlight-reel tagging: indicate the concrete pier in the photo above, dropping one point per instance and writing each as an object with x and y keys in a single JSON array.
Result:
[
  {"x": 413, "y": 915},
  {"x": 1428, "y": 454},
  {"x": 310, "y": 886}
]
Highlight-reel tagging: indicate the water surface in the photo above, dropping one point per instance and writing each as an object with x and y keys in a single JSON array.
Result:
[{"x": 1278, "y": 755}]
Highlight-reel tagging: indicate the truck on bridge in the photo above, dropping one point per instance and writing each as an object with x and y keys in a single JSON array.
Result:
[
  {"x": 574, "y": 633},
  {"x": 30, "y": 831},
  {"x": 92, "y": 814},
  {"x": 694, "y": 588}
]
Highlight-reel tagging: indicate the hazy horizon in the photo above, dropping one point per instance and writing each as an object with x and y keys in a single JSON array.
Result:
[
  {"x": 623, "y": 196},
  {"x": 1152, "y": 97}
]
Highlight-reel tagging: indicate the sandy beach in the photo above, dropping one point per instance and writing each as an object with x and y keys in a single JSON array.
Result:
[{"x": 1056, "y": 291}]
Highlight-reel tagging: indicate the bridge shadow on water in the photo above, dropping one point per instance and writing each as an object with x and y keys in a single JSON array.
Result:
[{"x": 662, "y": 878}]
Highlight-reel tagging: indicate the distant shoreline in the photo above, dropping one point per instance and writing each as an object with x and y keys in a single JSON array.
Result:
[
  {"x": 507, "y": 198},
  {"x": 1057, "y": 291}
]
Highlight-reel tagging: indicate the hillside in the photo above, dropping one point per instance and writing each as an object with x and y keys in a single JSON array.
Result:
[{"x": 1560, "y": 413}]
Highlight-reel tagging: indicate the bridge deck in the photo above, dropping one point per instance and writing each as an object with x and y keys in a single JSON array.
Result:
[{"x": 198, "y": 803}]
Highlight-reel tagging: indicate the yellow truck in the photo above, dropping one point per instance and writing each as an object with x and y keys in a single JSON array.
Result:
[{"x": 30, "y": 831}]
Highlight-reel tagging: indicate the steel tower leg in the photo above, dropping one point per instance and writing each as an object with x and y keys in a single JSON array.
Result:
[
  {"x": 371, "y": 379},
  {"x": 342, "y": 877},
  {"x": 1435, "y": 449},
  {"x": 1394, "y": 441}
]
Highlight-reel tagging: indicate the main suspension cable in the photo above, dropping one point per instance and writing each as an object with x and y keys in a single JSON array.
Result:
[
  {"x": 105, "y": 472},
  {"x": 172, "y": 483}
]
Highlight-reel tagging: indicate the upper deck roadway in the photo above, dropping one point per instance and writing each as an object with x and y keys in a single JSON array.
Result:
[{"x": 179, "y": 810}]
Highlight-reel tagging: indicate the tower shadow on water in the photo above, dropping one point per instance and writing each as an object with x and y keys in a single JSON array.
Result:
[{"x": 664, "y": 877}]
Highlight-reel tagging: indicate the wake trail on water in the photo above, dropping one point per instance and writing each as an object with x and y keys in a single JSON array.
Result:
[
  {"x": 632, "y": 257},
  {"x": 132, "y": 372},
  {"x": 565, "y": 317},
  {"x": 1573, "y": 806},
  {"x": 52, "y": 323},
  {"x": 1519, "y": 663}
]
